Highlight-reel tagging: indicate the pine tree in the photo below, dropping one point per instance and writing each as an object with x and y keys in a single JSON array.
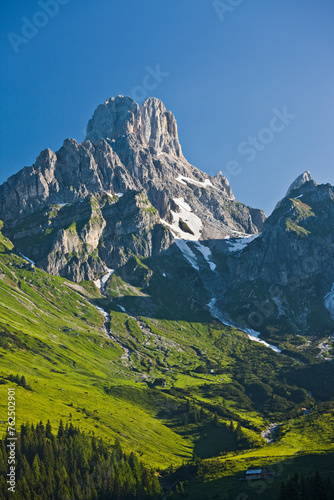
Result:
[
  {"x": 48, "y": 430},
  {"x": 238, "y": 433},
  {"x": 61, "y": 430},
  {"x": 24, "y": 490},
  {"x": 36, "y": 468}
]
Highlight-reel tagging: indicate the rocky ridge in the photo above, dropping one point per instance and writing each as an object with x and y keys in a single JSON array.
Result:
[
  {"x": 280, "y": 279},
  {"x": 128, "y": 149}
]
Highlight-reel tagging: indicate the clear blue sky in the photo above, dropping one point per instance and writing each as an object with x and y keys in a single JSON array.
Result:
[{"x": 226, "y": 75}]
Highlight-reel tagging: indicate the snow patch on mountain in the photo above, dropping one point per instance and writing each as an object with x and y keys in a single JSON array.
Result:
[
  {"x": 239, "y": 244},
  {"x": 184, "y": 180},
  {"x": 111, "y": 195},
  {"x": 206, "y": 252},
  {"x": 101, "y": 282},
  {"x": 187, "y": 253},
  {"x": 182, "y": 238},
  {"x": 102, "y": 311},
  {"x": 252, "y": 334},
  {"x": 192, "y": 220}
]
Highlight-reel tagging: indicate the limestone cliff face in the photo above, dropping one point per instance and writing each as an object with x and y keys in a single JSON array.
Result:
[
  {"x": 128, "y": 149},
  {"x": 83, "y": 239},
  {"x": 151, "y": 124}
]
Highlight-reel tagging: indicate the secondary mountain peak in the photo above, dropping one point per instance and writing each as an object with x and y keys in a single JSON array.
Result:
[
  {"x": 301, "y": 179},
  {"x": 298, "y": 183},
  {"x": 151, "y": 124}
]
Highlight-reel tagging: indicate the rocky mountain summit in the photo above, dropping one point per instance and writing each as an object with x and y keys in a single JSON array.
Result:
[
  {"x": 128, "y": 149},
  {"x": 280, "y": 278},
  {"x": 151, "y": 125},
  {"x": 304, "y": 179}
]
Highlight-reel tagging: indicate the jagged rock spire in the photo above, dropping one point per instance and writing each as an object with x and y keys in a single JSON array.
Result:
[{"x": 151, "y": 124}]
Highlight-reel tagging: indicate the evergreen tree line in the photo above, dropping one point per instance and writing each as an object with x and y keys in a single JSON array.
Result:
[
  {"x": 73, "y": 466},
  {"x": 314, "y": 487},
  {"x": 19, "y": 380}
]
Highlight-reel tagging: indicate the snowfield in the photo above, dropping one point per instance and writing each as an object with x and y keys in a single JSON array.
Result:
[
  {"x": 206, "y": 252},
  {"x": 182, "y": 238},
  {"x": 240, "y": 244},
  {"x": 187, "y": 252}
]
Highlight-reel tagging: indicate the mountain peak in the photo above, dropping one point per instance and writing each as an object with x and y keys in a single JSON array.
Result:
[
  {"x": 297, "y": 184},
  {"x": 113, "y": 118},
  {"x": 301, "y": 179},
  {"x": 151, "y": 124}
]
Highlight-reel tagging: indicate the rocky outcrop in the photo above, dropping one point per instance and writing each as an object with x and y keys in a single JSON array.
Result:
[
  {"x": 302, "y": 179},
  {"x": 83, "y": 239},
  {"x": 151, "y": 124},
  {"x": 283, "y": 275}
]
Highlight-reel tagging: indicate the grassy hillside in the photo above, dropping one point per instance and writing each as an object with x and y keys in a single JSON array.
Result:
[
  {"x": 53, "y": 336},
  {"x": 175, "y": 385}
]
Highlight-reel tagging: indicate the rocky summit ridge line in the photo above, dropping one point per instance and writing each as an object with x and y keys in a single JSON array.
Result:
[
  {"x": 152, "y": 125},
  {"x": 281, "y": 283},
  {"x": 68, "y": 205}
]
